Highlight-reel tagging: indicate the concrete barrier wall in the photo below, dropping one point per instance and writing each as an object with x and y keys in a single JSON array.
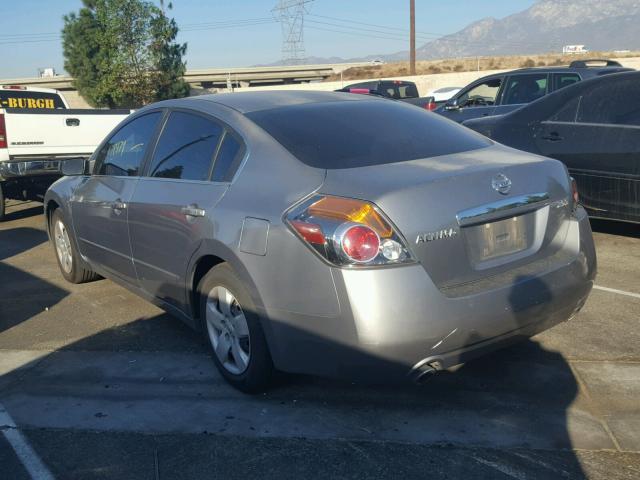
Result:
[{"x": 425, "y": 83}]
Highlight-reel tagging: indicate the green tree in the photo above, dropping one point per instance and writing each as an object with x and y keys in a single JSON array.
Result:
[{"x": 123, "y": 53}]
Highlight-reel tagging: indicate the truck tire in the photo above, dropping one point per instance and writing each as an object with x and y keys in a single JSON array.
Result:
[
  {"x": 231, "y": 328},
  {"x": 2, "y": 204},
  {"x": 72, "y": 267}
]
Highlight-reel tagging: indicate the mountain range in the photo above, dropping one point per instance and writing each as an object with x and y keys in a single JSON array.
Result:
[{"x": 546, "y": 26}]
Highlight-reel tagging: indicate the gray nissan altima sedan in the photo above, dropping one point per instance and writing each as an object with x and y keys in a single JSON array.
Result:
[{"x": 326, "y": 233}]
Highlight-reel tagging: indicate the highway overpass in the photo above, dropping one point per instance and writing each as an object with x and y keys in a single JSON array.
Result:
[{"x": 220, "y": 77}]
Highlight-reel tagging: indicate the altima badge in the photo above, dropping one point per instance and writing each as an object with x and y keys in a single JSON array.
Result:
[
  {"x": 501, "y": 184},
  {"x": 439, "y": 235}
]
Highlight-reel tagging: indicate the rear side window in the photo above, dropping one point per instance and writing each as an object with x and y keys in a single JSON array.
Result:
[
  {"x": 186, "y": 147},
  {"x": 228, "y": 159},
  {"x": 398, "y": 90},
  {"x": 613, "y": 103},
  {"x": 123, "y": 153},
  {"x": 361, "y": 133},
  {"x": 522, "y": 89},
  {"x": 561, "y": 80},
  {"x": 28, "y": 99}
]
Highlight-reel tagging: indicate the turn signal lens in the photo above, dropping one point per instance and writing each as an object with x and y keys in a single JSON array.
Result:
[
  {"x": 348, "y": 232},
  {"x": 352, "y": 210}
]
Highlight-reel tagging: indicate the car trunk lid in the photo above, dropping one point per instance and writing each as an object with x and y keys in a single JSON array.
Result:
[{"x": 471, "y": 215}]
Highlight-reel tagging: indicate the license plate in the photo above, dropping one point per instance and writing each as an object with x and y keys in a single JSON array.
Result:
[{"x": 497, "y": 239}]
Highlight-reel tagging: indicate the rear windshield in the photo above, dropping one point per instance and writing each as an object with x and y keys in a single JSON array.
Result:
[
  {"x": 398, "y": 90},
  {"x": 27, "y": 99},
  {"x": 352, "y": 134}
]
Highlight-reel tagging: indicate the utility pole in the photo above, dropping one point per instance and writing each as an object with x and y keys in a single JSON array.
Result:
[{"x": 412, "y": 39}]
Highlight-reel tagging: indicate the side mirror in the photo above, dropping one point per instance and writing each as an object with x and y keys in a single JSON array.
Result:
[
  {"x": 452, "y": 105},
  {"x": 73, "y": 166}
]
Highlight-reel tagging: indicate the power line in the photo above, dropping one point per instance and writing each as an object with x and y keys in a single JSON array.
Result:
[
  {"x": 293, "y": 45},
  {"x": 344, "y": 20},
  {"x": 9, "y": 39}
]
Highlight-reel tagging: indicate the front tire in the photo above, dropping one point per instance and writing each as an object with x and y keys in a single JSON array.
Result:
[
  {"x": 71, "y": 265},
  {"x": 231, "y": 327}
]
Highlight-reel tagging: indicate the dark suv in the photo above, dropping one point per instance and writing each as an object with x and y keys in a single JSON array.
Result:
[{"x": 504, "y": 92}]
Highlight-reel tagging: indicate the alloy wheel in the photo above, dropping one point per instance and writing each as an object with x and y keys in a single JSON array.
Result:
[
  {"x": 63, "y": 247},
  {"x": 228, "y": 330}
]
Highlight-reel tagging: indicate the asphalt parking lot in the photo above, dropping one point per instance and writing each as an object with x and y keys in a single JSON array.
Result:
[{"x": 96, "y": 383}]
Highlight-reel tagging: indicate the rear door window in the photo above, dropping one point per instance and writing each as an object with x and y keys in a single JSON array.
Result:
[
  {"x": 28, "y": 99},
  {"x": 521, "y": 89},
  {"x": 611, "y": 103},
  {"x": 567, "y": 112},
  {"x": 336, "y": 135},
  {"x": 186, "y": 147},
  {"x": 123, "y": 153}
]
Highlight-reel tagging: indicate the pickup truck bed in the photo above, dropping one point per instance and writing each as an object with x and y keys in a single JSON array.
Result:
[
  {"x": 400, "y": 90},
  {"x": 34, "y": 142}
]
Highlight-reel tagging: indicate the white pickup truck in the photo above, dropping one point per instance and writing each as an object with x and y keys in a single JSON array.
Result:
[{"x": 38, "y": 131}]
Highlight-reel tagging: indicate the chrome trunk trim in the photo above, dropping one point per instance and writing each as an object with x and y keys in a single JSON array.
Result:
[{"x": 509, "y": 207}]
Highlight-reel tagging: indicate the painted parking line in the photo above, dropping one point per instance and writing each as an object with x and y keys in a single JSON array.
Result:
[
  {"x": 619, "y": 292},
  {"x": 28, "y": 457}
]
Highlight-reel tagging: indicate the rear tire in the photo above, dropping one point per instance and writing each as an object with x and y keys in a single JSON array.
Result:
[
  {"x": 231, "y": 327},
  {"x": 72, "y": 267}
]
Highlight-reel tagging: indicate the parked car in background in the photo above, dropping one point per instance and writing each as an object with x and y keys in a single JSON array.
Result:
[
  {"x": 441, "y": 95},
  {"x": 401, "y": 90},
  {"x": 38, "y": 131},
  {"x": 502, "y": 93},
  {"x": 594, "y": 128},
  {"x": 326, "y": 233}
]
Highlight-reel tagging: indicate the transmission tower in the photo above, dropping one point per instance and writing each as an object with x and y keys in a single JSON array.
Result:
[{"x": 290, "y": 14}]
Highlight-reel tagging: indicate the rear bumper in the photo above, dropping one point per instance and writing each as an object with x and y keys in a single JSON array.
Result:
[
  {"x": 394, "y": 321},
  {"x": 27, "y": 168}
]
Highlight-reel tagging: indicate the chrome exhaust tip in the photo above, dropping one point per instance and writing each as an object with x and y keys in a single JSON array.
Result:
[{"x": 425, "y": 370}]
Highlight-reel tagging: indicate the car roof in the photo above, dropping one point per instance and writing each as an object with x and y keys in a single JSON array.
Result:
[
  {"x": 585, "y": 72},
  {"x": 10, "y": 87},
  {"x": 246, "y": 102},
  {"x": 559, "y": 97}
]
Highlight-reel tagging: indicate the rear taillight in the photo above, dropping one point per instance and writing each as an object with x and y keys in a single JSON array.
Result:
[
  {"x": 574, "y": 192},
  {"x": 348, "y": 232},
  {"x": 431, "y": 106},
  {"x": 3, "y": 132},
  {"x": 361, "y": 91}
]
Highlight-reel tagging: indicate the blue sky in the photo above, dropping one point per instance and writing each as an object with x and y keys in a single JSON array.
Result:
[{"x": 258, "y": 41}]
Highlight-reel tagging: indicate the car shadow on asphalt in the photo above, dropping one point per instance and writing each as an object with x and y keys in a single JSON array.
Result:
[
  {"x": 513, "y": 402},
  {"x": 20, "y": 210},
  {"x": 613, "y": 227},
  {"x": 23, "y": 294}
]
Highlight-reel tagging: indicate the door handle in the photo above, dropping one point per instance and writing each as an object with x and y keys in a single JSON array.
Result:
[
  {"x": 193, "y": 211},
  {"x": 118, "y": 206},
  {"x": 552, "y": 137},
  {"x": 72, "y": 122}
]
